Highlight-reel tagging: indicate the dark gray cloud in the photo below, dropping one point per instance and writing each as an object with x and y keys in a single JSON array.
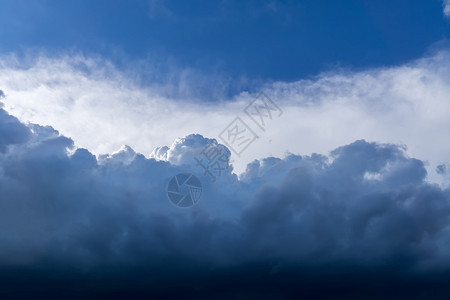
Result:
[{"x": 361, "y": 219}]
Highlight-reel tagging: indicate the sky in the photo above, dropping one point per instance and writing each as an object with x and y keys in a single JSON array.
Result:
[{"x": 339, "y": 186}]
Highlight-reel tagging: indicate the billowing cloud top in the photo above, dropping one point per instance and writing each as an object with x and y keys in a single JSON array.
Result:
[{"x": 365, "y": 205}]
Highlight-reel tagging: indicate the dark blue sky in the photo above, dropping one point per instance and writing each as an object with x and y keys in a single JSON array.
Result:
[{"x": 267, "y": 40}]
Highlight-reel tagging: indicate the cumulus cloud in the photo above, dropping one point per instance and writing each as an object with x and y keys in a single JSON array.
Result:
[
  {"x": 365, "y": 206},
  {"x": 101, "y": 108},
  {"x": 184, "y": 150}
]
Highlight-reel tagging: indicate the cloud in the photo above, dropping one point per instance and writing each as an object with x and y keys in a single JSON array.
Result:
[
  {"x": 102, "y": 108},
  {"x": 10, "y": 131},
  {"x": 184, "y": 150},
  {"x": 158, "y": 9},
  {"x": 329, "y": 218},
  {"x": 446, "y": 8}
]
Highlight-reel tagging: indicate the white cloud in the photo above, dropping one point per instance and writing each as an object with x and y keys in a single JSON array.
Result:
[
  {"x": 447, "y": 8},
  {"x": 101, "y": 109}
]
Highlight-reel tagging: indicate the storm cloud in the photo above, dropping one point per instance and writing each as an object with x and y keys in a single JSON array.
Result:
[{"x": 362, "y": 212}]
